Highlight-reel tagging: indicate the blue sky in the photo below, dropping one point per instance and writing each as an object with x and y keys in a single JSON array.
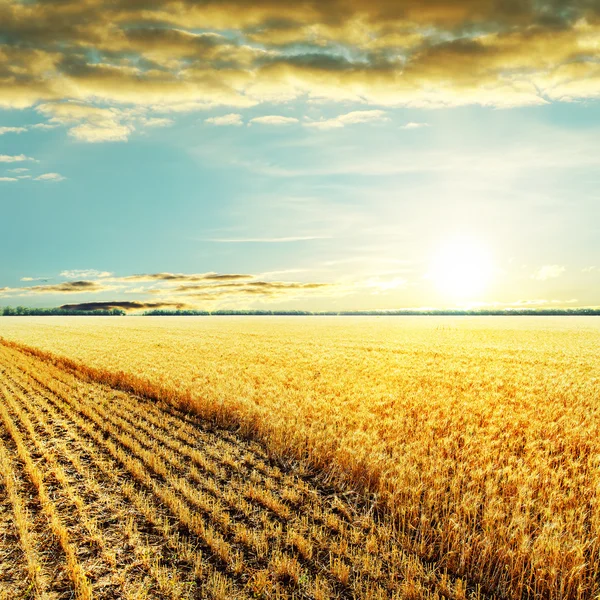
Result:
[{"x": 336, "y": 189}]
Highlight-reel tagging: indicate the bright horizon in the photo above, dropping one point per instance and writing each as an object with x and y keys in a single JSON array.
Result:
[{"x": 366, "y": 156}]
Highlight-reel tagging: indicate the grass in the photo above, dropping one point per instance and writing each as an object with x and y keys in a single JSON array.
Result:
[{"x": 472, "y": 443}]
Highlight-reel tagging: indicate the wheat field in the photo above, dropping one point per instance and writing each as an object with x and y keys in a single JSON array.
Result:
[
  {"x": 108, "y": 495},
  {"x": 383, "y": 457}
]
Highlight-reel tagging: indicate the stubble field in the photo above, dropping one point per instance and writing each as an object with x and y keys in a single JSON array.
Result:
[{"x": 389, "y": 457}]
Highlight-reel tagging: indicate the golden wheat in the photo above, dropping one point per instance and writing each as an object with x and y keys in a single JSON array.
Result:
[
  {"x": 477, "y": 441},
  {"x": 147, "y": 501}
]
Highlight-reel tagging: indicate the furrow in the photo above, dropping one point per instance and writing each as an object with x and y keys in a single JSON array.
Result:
[
  {"x": 36, "y": 580},
  {"x": 219, "y": 505},
  {"x": 86, "y": 507},
  {"x": 75, "y": 571},
  {"x": 147, "y": 450},
  {"x": 190, "y": 522},
  {"x": 109, "y": 473}
]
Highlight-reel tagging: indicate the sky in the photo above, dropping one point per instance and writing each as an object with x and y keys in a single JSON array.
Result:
[{"x": 355, "y": 155}]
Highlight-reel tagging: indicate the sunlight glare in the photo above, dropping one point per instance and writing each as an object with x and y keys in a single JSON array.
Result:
[{"x": 461, "y": 269}]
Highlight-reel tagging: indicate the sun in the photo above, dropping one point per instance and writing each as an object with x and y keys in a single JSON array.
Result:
[{"x": 461, "y": 269}]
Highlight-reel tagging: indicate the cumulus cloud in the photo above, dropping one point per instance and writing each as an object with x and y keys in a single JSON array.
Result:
[
  {"x": 8, "y": 179},
  {"x": 4, "y": 130},
  {"x": 548, "y": 272},
  {"x": 156, "y": 57},
  {"x": 94, "y": 124},
  {"x": 274, "y": 120},
  {"x": 80, "y": 273},
  {"x": 414, "y": 125},
  {"x": 351, "y": 118},
  {"x": 156, "y": 121},
  {"x": 230, "y": 119},
  {"x": 6, "y": 158},
  {"x": 50, "y": 177},
  {"x": 114, "y": 132}
]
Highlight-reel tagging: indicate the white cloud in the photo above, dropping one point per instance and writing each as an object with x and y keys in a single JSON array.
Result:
[
  {"x": 5, "y": 158},
  {"x": 50, "y": 177},
  {"x": 414, "y": 125},
  {"x": 588, "y": 269},
  {"x": 91, "y": 123},
  {"x": 35, "y": 278},
  {"x": 8, "y": 179},
  {"x": 19, "y": 170},
  {"x": 113, "y": 132},
  {"x": 274, "y": 120},
  {"x": 4, "y": 130},
  {"x": 230, "y": 119},
  {"x": 156, "y": 121},
  {"x": 83, "y": 273},
  {"x": 548, "y": 272},
  {"x": 44, "y": 126},
  {"x": 351, "y": 118}
]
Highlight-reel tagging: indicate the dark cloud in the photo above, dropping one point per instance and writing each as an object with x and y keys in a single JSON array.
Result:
[
  {"x": 251, "y": 287},
  {"x": 66, "y": 287},
  {"x": 128, "y": 306},
  {"x": 182, "y": 277},
  {"x": 394, "y": 52}
]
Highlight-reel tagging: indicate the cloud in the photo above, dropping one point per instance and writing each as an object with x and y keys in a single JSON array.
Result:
[
  {"x": 50, "y": 177},
  {"x": 4, "y": 130},
  {"x": 414, "y": 125},
  {"x": 68, "y": 287},
  {"x": 253, "y": 287},
  {"x": 230, "y": 119},
  {"x": 19, "y": 170},
  {"x": 183, "y": 277},
  {"x": 178, "y": 290},
  {"x": 115, "y": 132},
  {"x": 79, "y": 273},
  {"x": 124, "y": 305},
  {"x": 548, "y": 272},
  {"x": 95, "y": 124},
  {"x": 140, "y": 60},
  {"x": 274, "y": 120},
  {"x": 589, "y": 269},
  {"x": 35, "y": 278},
  {"x": 351, "y": 118},
  {"x": 156, "y": 121},
  {"x": 8, "y": 179},
  {"x": 5, "y": 158}
]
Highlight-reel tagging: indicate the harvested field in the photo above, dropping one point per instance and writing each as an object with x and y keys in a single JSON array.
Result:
[
  {"x": 477, "y": 440},
  {"x": 107, "y": 495}
]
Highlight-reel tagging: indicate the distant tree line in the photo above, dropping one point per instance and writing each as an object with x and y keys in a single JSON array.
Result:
[
  {"x": 380, "y": 313},
  {"x": 23, "y": 311}
]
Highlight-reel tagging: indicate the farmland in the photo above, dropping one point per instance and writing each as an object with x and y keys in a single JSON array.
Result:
[{"x": 302, "y": 457}]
